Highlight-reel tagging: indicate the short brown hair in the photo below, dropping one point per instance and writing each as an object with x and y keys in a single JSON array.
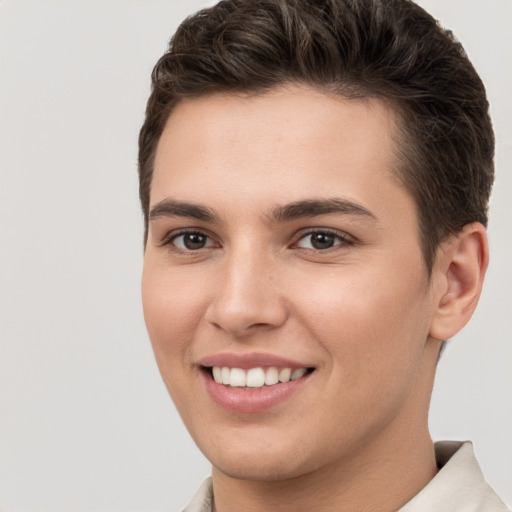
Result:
[{"x": 387, "y": 49}]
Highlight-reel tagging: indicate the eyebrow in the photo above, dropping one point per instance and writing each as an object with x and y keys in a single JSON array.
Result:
[
  {"x": 173, "y": 208},
  {"x": 281, "y": 213},
  {"x": 315, "y": 207}
]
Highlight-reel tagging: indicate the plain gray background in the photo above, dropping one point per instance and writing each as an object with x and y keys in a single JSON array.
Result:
[{"x": 85, "y": 422}]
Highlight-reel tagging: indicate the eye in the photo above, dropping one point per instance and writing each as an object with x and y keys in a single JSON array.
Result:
[
  {"x": 322, "y": 240},
  {"x": 191, "y": 241}
]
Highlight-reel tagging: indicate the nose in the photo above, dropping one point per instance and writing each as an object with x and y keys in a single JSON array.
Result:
[{"x": 248, "y": 297}]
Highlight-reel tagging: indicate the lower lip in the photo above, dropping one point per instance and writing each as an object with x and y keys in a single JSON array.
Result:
[{"x": 251, "y": 400}]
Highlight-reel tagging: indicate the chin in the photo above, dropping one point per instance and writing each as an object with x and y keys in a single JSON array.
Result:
[
  {"x": 272, "y": 462},
  {"x": 259, "y": 470}
]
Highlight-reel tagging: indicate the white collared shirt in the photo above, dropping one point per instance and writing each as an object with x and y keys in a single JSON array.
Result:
[{"x": 459, "y": 486}]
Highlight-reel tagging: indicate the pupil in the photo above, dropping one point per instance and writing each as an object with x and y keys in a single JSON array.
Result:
[
  {"x": 322, "y": 240},
  {"x": 194, "y": 241}
]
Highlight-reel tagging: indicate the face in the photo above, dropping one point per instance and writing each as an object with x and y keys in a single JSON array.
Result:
[{"x": 284, "y": 289}]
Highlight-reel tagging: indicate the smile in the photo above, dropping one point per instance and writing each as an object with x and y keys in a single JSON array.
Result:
[
  {"x": 255, "y": 377},
  {"x": 252, "y": 382}
]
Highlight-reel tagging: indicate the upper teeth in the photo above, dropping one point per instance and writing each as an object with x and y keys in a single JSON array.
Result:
[{"x": 255, "y": 377}]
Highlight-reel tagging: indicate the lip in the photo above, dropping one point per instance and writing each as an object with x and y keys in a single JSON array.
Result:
[
  {"x": 250, "y": 360},
  {"x": 245, "y": 400},
  {"x": 251, "y": 400}
]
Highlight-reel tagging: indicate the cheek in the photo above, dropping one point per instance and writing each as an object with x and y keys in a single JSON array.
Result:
[
  {"x": 367, "y": 324},
  {"x": 172, "y": 311},
  {"x": 373, "y": 335}
]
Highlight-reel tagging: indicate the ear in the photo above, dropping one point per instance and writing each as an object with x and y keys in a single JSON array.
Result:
[{"x": 459, "y": 270}]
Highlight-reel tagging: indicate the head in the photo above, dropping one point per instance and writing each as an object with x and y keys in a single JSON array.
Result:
[
  {"x": 393, "y": 51},
  {"x": 314, "y": 177}
]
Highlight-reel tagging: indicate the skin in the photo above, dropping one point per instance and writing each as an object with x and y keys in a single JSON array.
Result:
[{"x": 363, "y": 312}]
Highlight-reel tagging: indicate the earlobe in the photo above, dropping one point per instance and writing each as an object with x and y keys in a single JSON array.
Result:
[{"x": 460, "y": 267}]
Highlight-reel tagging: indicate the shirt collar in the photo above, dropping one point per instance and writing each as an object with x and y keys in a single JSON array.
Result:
[{"x": 458, "y": 486}]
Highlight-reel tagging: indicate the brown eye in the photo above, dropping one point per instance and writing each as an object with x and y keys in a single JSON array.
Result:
[
  {"x": 322, "y": 240},
  {"x": 192, "y": 241}
]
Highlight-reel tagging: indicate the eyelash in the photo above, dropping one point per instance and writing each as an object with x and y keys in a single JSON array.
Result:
[
  {"x": 340, "y": 240},
  {"x": 343, "y": 239},
  {"x": 170, "y": 239}
]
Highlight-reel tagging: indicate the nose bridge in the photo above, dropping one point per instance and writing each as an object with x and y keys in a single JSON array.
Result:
[{"x": 247, "y": 294}]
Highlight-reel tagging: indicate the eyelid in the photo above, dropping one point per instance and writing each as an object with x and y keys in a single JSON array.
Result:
[
  {"x": 170, "y": 236},
  {"x": 345, "y": 238}
]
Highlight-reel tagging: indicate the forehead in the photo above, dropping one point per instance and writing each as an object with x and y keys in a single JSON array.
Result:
[{"x": 282, "y": 145}]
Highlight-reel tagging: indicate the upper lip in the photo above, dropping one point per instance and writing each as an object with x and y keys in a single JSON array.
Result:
[{"x": 250, "y": 360}]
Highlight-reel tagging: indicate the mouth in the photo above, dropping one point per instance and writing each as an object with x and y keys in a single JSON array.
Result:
[
  {"x": 255, "y": 378},
  {"x": 253, "y": 382}
]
